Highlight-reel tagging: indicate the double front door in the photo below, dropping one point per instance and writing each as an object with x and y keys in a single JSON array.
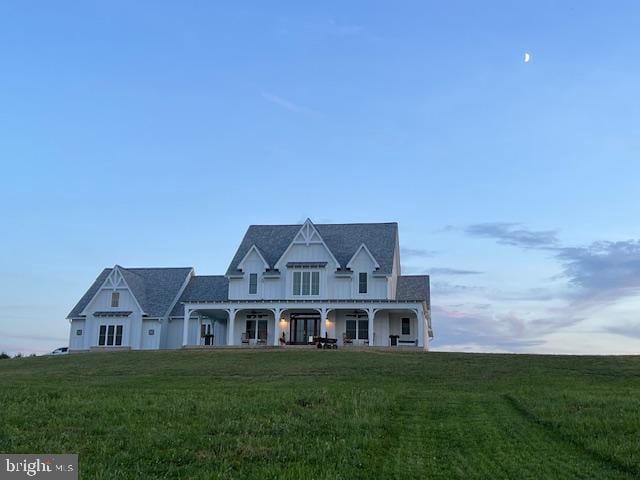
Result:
[{"x": 303, "y": 327}]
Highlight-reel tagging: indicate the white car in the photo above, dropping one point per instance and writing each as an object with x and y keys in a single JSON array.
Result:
[{"x": 60, "y": 351}]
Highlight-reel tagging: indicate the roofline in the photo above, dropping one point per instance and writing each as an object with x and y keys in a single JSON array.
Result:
[
  {"x": 306, "y": 300},
  {"x": 190, "y": 275}
]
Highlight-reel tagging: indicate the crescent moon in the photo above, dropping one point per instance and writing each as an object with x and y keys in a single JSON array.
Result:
[{"x": 527, "y": 58}]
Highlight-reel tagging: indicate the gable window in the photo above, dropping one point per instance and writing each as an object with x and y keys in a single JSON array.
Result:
[
  {"x": 406, "y": 326},
  {"x": 115, "y": 299},
  {"x": 110, "y": 335},
  {"x": 306, "y": 283},
  {"x": 362, "y": 282},
  {"x": 253, "y": 283}
]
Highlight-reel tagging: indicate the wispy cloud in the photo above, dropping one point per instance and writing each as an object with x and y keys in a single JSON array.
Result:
[
  {"x": 416, "y": 252},
  {"x": 287, "y": 104},
  {"x": 603, "y": 270},
  {"x": 447, "y": 288},
  {"x": 513, "y": 234},
  {"x": 453, "y": 271}
]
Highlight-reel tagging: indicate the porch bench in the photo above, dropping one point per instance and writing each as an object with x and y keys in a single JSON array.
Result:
[{"x": 408, "y": 342}]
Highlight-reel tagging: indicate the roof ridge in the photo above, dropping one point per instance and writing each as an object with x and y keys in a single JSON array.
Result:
[
  {"x": 300, "y": 224},
  {"x": 154, "y": 268}
]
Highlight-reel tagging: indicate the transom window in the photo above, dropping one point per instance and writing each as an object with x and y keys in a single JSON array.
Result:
[
  {"x": 306, "y": 283},
  {"x": 110, "y": 335},
  {"x": 253, "y": 283},
  {"x": 362, "y": 282},
  {"x": 115, "y": 299}
]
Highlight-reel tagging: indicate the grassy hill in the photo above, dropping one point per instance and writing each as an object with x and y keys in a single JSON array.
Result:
[{"x": 326, "y": 414}]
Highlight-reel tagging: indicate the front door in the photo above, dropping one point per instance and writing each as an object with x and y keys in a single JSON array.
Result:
[
  {"x": 303, "y": 327},
  {"x": 206, "y": 332}
]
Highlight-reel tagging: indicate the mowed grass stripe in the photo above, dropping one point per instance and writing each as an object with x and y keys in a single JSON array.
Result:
[{"x": 317, "y": 414}]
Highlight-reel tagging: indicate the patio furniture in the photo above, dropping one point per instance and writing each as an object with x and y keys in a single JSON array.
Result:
[
  {"x": 244, "y": 339},
  {"x": 346, "y": 340}
]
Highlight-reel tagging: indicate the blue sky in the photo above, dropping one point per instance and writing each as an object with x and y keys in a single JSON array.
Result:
[{"x": 153, "y": 133}]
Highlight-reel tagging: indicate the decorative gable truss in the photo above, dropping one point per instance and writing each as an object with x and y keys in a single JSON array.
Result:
[
  {"x": 307, "y": 235},
  {"x": 113, "y": 282}
]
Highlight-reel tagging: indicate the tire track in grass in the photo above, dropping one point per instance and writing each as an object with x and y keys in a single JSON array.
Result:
[
  {"x": 528, "y": 415},
  {"x": 479, "y": 436}
]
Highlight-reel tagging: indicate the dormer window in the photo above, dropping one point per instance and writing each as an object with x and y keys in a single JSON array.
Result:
[
  {"x": 362, "y": 282},
  {"x": 253, "y": 283},
  {"x": 306, "y": 283},
  {"x": 115, "y": 299}
]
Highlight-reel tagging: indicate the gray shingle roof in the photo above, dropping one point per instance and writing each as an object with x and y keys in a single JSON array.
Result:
[
  {"x": 413, "y": 287},
  {"x": 342, "y": 239},
  {"x": 203, "y": 288},
  {"x": 153, "y": 288}
]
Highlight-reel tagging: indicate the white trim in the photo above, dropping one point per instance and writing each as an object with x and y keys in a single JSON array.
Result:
[
  {"x": 306, "y": 231},
  {"x": 375, "y": 262},
  {"x": 253, "y": 248}
]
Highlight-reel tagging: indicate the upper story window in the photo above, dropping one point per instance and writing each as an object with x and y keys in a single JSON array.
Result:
[
  {"x": 362, "y": 282},
  {"x": 306, "y": 283},
  {"x": 115, "y": 299},
  {"x": 253, "y": 283}
]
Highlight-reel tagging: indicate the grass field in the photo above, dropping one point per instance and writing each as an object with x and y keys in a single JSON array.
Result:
[{"x": 326, "y": 414}]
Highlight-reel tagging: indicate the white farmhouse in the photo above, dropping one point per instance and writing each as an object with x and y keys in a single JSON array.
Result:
[{"x": 286, "y": 285}]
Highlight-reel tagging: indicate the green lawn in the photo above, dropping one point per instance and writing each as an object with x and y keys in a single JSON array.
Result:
[{"x": 326, "y": 414}]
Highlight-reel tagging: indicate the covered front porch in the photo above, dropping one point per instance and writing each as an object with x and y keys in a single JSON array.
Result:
[{"x": 264, "y": 323}]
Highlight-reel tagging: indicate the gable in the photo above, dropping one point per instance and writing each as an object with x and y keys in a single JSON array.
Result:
[
  {"x": 363, "y": 260},
  {"x": 343, "y": 240},
  {"x": 307, "y": 246},
  {"x": 153, "y": 289}
]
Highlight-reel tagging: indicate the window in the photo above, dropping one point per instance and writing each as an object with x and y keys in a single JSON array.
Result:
[
  {"x": 406, "y": 326},
  {"x": 306, "y": 283},
  {"x": 110, "y": 335},
  {"x": 357, "y": 329},
  {"x": 251, "y": 329},
  {"x": 351, "y": 329},
  {"x": 262, "y": 330},
  {"x": 363, "y": 329},
  {"x": 296, "y": 282},
  {"x": 115, "y": 299},
  {"x": 362, "y": 283},
  {"x": 79, "y": 332},
  {"x": 253, "y": 283}
]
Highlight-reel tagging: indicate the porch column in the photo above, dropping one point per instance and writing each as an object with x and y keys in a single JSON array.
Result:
[
  {"x": 185, "y": 326},
  {"x": 323, "y": 322},
  {"x": 371, "y": 313},
  {"x": 421, "y": 321},
  {"x": 230, "y": 325},
  {"x": 277, "y": 312}
]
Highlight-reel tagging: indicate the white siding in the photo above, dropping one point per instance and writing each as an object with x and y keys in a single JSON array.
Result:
[
  {"x": 174, "y": 333},
  {"x": 151, "y": 342},
  {"x": 76, "y": 342}
]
